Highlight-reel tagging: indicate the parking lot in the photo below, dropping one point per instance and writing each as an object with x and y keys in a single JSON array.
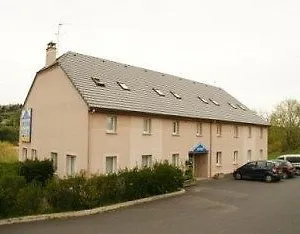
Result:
[{"x": 213, "y": 206}]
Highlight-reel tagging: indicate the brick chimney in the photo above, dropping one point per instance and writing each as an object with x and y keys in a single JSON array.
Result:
[{"x": 50, "y": 53}]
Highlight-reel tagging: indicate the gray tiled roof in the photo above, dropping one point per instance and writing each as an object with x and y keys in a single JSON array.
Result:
[{"x": 142, "y": 98}]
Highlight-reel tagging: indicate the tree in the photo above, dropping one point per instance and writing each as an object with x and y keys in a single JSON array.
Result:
[{"x": 284, "y": 132}]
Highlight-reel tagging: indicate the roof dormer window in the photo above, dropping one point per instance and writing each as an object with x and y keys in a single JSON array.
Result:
[
  {"x": 203, "y": 100},
  {"x": 242, "y": 107},
  {"x": 98, "y": 82},
  {"x": 214, "y": 102},
  {"x": 159, "y": 92},
  {"x": 123, "y": 86},
  {"x": 175, "y": 95}
]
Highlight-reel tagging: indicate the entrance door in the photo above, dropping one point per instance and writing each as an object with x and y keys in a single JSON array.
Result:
[{"x": 201, "y": 166}]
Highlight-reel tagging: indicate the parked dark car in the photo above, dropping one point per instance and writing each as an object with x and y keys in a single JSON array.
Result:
[
  {"x": 264, "y": 170},
  {"x": 287, "y": 168}
]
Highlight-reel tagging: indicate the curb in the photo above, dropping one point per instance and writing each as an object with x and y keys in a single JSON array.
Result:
[{"x": 32, "y": 218}]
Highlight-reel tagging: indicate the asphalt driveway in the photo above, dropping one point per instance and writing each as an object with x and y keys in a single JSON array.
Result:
[{"x": 213, "y": 206}]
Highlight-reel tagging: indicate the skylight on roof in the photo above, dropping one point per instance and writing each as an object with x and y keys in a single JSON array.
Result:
[
  {"x": 159, "y": 92},
  {"x": 242, "y": 107},
  {"x": 232, "y": 105},
  {"x": 98, "y": 82},
  {"x": 123, "y": 86},
  {"x": 175, "y": 95},
  {"x": 203, "y": 100},
  {"x": 214, "y": 102}
]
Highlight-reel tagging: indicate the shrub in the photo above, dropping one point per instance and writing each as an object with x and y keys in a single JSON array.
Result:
[
  {"x": 34, "y": 170},
  {"x": 9, "y": 169},
  {"x": 9, "y": 189}
]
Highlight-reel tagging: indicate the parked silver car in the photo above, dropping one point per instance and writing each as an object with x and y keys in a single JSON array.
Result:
[{"x": 294, "y": 159}]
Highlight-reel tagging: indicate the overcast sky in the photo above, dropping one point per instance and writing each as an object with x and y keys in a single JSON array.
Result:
[{"x": 249, "y": 48}]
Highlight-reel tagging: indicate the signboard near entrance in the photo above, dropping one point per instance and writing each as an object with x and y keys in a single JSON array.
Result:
[{"x": 25, "y": 125}]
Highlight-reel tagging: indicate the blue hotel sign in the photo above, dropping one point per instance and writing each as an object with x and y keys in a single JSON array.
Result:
[{"x": 25, "y": 125}]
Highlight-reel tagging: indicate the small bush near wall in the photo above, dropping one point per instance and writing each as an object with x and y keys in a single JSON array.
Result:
[
  {"x": 9, "y": 169},
  {"x": 34, "y": 170},
  {"x": 28, "y": 195}
]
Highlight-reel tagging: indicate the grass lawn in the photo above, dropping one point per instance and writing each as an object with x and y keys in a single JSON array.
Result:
[{"x": 8, "y": 152}]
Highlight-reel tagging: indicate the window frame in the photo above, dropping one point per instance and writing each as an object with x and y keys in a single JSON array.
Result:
[
  {"x": 34, "y": 154},
  {"x": 219, "y": 129},
  {"x": 175, "y": 159},
  {"x": 249, "y": 155},
  {"x": 114, "y": 168},
  {"x": 249, "y": 131},
  {"x": 175, "y": 128},
  {"x": 71, "y": 165},
  {"x": 219, "y": 158},
  {"x": 111, "y": 124},
  {"x": 54, "y": 159},
  {"x": 235, "y": 131},
  {"x": 147, "y": 125},
  {"x": 148, "y": 159},
  {"x": 199, "y": 129},
  {"x": 235, "y": 157}
]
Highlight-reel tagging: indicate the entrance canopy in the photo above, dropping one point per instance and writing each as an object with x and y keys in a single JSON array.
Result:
[{"x": 198, "y": 149}]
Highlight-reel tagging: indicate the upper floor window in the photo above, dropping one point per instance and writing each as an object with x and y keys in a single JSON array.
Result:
[
  {"x": 219, "y": 129},
  {"x": 199, "y": 129},
  {"x": 111, "y": 124},
  {"x": 147, "y": 126},
  {"x": 249, "y": 131},
  {"x": 175, "y": 127},
  {"x": 236, "y": 131}
]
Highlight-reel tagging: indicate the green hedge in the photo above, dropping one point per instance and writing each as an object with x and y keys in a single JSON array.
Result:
[{"x": 20, "y": 198}]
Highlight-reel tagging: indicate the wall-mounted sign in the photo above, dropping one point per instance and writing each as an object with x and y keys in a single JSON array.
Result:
[{"x": 25, "y": 126}]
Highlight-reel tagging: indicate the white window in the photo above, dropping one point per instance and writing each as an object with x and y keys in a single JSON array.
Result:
[
  {"x": 235, "y": 157},
  {"x": 219, "y": 129},
  {"x": 112, "y": 124},
  {"x": 54, "y": 160},
  {"x": 147, "y": 126},
  {"x": 24, "y": 154},
  {"x": 146, "y": 160},
  {"x": 261, "y": 154},
  {"x": 249, "y": 155},
  {"x": 175, "y": 160},
  {"x": 175, "y": 127},
  {"x": 71, "y": 161},
  {"x": 199, "y": 129},
  {"x": 219, "y": 158},
  {"x": 249, "y": 131},
  {"x": 236, "y": 131},
  {"x": 111, "y": 164},
  {"x": 33, "y": 154},
  {"x": 261, "y": 132}
]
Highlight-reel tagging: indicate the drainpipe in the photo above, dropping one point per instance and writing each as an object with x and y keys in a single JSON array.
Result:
[
  {"x": 210, "y": 151},
  {"x": 89, "y": 140}
]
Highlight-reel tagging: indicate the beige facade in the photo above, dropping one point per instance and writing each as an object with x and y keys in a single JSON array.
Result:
[
  {"x": 63, "y": 124},
  {"x": 80, "y": 138}
]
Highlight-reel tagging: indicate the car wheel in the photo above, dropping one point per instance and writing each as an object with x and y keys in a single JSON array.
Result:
[
  {"x": 284, "y": 176},
  {"x": 297, "y": 171},
  {"x": 268, "y": 178},
  {"x": 238, "y": 176}
]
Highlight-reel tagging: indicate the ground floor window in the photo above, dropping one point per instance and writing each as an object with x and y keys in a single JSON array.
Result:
[
  {"x": 175, "y": 160},
  {"x": 249, "y": 155},
  {"x": 235, "y": 157},
  {"x": 54, "y": 160},
  {"x": 219, "y": 158},
  {"x": 24, "y": 154},
  {"x": 111, "y": 164},
  {"x": 146, "y": 160},
  {"x": 33, "y": 154},
  {"x": 71, "y": 160}
]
